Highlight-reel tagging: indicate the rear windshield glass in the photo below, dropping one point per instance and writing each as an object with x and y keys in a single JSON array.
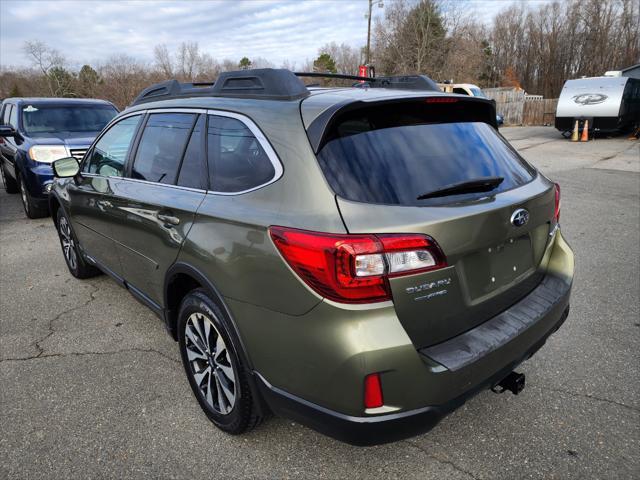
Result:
[
  {"x": 38, "y": 119},
  {"x": 392, "y": 158}
]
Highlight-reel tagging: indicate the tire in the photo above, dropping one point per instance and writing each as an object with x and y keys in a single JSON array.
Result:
[
  {"x": 31, "y": 209},
  {"x": 216, "y": 372},
  {"x": 77, "y": 265},
  {"x": 10, "y": 185}
]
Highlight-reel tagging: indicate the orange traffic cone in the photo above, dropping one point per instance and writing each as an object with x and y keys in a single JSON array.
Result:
[
  {"x": 574, "y": 135},
  {"x": 585, "y": 132}
]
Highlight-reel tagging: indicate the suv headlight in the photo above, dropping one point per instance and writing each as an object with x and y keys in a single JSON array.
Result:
[{"x": 48, "y": 153}]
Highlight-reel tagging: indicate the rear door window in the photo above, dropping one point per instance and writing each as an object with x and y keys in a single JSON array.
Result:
[
  {"x": 237, "y": 161},
  {"x": 392, "y": 155},
  {"x": 161, "y": 147},
  {"x": 192, "y": 173}
]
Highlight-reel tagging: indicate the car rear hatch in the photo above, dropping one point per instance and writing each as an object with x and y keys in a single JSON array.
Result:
[{"x": 405, "y": 167}]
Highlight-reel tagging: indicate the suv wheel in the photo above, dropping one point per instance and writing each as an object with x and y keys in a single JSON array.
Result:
[
  {"x": 9, "y": 183},
  {"x": 30, "y": 208},
  {"x": 216, "y": 373},
  {"x": 77, "y": 265}
]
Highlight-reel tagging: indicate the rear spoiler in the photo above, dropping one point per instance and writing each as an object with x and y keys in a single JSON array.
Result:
[{"x": 475, "y": 109}]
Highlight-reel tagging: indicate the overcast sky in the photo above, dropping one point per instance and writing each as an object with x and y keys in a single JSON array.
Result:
[{"x": 91, "y": 31}]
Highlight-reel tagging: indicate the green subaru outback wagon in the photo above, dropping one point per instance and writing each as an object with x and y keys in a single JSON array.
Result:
[{"x": 362, "y": 260}]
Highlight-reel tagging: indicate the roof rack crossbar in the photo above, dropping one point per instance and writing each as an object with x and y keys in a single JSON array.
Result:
[
  {"x": 333, "y": 75},
  {"x": 400, "y": 82}
]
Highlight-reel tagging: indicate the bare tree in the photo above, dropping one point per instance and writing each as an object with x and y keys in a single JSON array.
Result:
[
  {"x": 187, "y": 60},
  {"x": 261, "y": 62},
  {"x": 346, "y": 57},
  {"x": 45, "y": 59},
  {"x": 124, "y": 77},
  {"x": 288, "y": 65},
  {"x": 163, "y": 60},
  {"x": 544, "y": 47}
]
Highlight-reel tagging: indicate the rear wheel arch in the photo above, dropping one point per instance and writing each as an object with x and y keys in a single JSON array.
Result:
[
  {"x": 182, "y": 278},
  {"x": 174, "y": 294}
]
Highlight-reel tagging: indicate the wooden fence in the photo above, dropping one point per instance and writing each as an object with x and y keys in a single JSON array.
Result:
[{"x": 518, "y": 108}]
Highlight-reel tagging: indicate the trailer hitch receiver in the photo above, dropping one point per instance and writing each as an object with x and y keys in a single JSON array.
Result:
[{"x": 514, "y": 382}]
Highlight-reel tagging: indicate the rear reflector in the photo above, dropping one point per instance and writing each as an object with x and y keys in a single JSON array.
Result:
[
  {"x": 556, "y": 212},
  {"x": 372, "y": 391},
  {"x": 355, "y": 268}
]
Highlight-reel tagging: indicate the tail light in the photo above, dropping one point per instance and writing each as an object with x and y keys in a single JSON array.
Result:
[
  {"x": 556, "y": 212},
  {"x": 355, "y": 268},
  {"x": 373, "y": 391}
]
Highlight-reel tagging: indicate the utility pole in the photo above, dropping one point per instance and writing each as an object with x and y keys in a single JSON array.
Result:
[{"x": 368, "y": 15}]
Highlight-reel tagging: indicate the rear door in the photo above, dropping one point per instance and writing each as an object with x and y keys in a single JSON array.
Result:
[
  {"x": 157, "y": 201},
  {"x": 381, "y": 161}
]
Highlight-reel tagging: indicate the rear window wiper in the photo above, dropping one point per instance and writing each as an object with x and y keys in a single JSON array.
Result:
[{"x": 484, "y": 184}]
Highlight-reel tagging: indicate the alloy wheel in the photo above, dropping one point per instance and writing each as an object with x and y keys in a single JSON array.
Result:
[
  {"x": 210, "y": 364},
  {"x": 68, "y": 245},
  {"x": 23, "y": 194}
]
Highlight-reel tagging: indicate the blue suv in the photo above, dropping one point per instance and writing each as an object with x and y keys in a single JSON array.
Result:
[{"x": 36, "y": 131}]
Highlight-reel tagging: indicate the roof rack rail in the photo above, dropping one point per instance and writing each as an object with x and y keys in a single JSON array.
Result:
[
  {"x": 264, "y": 83},
  {"x": 270, "y": 84},
  {"x": 400, "y": 82}
]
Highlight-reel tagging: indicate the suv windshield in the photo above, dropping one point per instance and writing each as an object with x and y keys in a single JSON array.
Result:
[
  {"x": 395, "y": 154},
  {"x": 39, "y": 119}
]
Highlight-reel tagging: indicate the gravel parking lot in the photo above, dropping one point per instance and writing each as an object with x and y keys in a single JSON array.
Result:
[{"x": 92, "y": 386}]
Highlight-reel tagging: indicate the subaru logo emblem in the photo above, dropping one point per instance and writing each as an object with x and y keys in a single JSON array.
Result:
[{"x": 520, "y": 217}]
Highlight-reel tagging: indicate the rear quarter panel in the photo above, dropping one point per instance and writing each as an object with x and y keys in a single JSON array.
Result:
[{"x": 229, "y": 241}]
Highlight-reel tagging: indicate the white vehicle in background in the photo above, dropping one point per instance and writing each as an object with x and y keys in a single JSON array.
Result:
[
  {"x": 611, "y": 104},
  {"x": 467, "y": 89}
]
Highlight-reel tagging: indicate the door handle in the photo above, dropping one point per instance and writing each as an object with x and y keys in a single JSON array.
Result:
[{"x": 169, "y": 220}]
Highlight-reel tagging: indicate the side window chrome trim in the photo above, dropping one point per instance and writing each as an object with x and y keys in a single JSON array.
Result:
[
  {"x": 264, "y": 143},
  {"x": 129, "y": 179},
  {"x": 166, "y": 185}
]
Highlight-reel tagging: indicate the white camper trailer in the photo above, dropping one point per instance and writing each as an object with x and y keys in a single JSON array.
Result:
[{"x": 610, "y": 104}]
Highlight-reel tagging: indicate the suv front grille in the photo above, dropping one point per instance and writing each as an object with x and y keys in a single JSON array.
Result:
[{"x": 78, "y": 152}]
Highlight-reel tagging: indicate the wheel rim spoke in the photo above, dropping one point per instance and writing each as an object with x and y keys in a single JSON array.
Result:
[
  {"x": 196, "y": 326},
  {"x": 207, "y": 332},
  {"x": 225, "y": 389},
  {"x": 209, "y": 395},
  {"x": 227, "y": 372},
  {"x": 193, "y": 336},
  {"x": 199, "y": 376},
  {"x": 220, "y": 346},
  {"x": 192, "y": 355},
  {"x": 209, "y": 363},
  {"x": 221, "y": 399}
]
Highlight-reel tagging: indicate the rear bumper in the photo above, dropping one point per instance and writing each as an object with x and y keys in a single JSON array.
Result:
[
  {"x": 375, "y": 430},
  {"x": 442, "y": 378}
]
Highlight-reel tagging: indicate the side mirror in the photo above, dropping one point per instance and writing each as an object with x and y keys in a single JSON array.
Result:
[
  {"x": 7, "y": 131},
  {"x": 66, "y": 167}
]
